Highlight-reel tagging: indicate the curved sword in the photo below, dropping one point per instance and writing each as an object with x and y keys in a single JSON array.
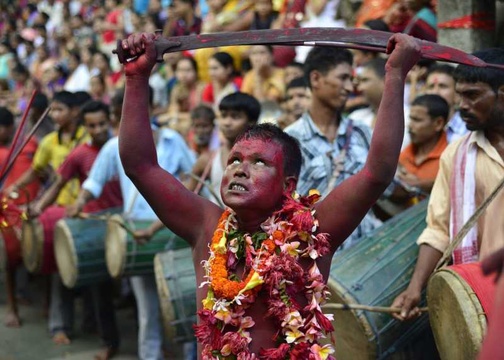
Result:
[{"x": 363, "y": 39}]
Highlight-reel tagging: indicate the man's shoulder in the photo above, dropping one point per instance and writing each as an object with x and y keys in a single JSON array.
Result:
[
  {"x": 298, "y": 127},
  {"x": 450, "y": 151},
  {"x": 49, "y": 139}
]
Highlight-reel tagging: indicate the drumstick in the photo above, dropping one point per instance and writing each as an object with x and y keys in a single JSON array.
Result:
[
  {"x": 82, "y": 215},
  {"x": 383, "y": 309},
  {"x": 200, "y": 180}
]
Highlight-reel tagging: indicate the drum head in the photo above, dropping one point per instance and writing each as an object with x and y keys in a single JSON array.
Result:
[
  {"x": 115, "y": 246},
  {"x": 351, "y": 328},
  {"x": 32, "y": 243},
  {"x": 456, "y": 316},
  {"x": 164, "y": 297},
  {"x": 3, "y": 255},
  {"x": 66, "y": 258}
]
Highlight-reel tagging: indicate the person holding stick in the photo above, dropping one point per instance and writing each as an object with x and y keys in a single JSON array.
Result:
[
  {"x": 470, "y": 169},
  {"x": 264, "y": 261}
]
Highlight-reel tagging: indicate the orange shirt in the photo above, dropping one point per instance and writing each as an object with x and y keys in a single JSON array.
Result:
[{"x": 429, "y": 167}]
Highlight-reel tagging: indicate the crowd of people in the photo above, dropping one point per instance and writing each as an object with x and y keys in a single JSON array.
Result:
[{"x": 241, "y": 129}]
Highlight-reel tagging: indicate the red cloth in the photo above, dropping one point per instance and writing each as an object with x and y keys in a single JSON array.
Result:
[
  {"x": 12, "y": 247},
  {"x": 22, "y": 163},
  {"x": 48, "y": 220},
  {"x": 77, "y": 165},
  {"x": 483, "y": 286},
  {"x": 112, "y": 17},
  {"x": 492, "y": 348}
]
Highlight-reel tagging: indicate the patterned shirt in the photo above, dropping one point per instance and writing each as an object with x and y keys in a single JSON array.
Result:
[
  {"x": 456, "y": 128},
  {"x": 319, "y": 162}
]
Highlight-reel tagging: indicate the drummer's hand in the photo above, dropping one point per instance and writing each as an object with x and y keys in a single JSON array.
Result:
[
  {"x": 72, "y": 211},
  {"x": 142, "y": 236},
  {"x": 33, "y": 211},
  {"x": 142, "y": 46},
  {"x": 408, "y": 302},
  {"x": 11, "y": 191},
  {"x": 494, "y": 263}
]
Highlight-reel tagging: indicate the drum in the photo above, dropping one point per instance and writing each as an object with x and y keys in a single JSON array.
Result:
[
  {"x": 10, "y": 247},
  {"x": 79, "y": 246},
  {"x": 374, "y": 272},
  {"x": 176, "y": 284},
  {"x": 125, "y": 257},
  {"x": 460, "y": 299},
  {"x": 37, "y": 241}
]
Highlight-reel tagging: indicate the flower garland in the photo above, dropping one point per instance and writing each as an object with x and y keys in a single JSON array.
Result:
[{"x": 271, "y": 263}]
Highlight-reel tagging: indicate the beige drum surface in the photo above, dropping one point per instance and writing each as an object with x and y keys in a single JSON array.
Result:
[
  {"x": 176, "y": 283},
  {"x": 456, "y": 316},
  {"x": 31, "y": 245}
]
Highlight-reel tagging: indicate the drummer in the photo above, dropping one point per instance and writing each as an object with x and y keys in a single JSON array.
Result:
[
  {"x": 96, "y": 118},
  {"x": 259, "y": 181},
  {"x": 174, "y": 156},
  {"x": 456, "y": 196},
  {"x": 22, "y": 163}
]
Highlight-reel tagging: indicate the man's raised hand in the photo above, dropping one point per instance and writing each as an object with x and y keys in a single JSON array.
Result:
[{"x": 140, "y": 46}]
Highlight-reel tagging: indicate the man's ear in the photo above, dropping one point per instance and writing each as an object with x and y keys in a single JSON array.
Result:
[
  {"x": 439, "y": 123},
  {"x": 500, "y": 93},
  {"x": 290, "y": 184}
]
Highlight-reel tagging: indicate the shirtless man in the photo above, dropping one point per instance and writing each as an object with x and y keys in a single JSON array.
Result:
[{"x": 265, "y": 315}]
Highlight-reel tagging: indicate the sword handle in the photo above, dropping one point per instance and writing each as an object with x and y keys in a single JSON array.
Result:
[{"x": 162, "y": 46}]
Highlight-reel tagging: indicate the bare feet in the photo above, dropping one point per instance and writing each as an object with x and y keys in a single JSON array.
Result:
[
  {"x": 12, "y": 319},
  {"x": 60, "y": 338},
  {"x": 106, "y": 354}
]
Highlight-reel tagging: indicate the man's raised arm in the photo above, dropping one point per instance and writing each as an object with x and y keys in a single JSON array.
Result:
[
  {"x": 175, "y": 206},
  {"x": 343, "y": 209}
]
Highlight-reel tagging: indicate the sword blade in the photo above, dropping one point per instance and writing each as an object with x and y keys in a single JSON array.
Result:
[{"x": 372, "y": 40}]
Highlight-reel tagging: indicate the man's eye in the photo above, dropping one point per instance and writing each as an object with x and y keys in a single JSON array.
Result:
[
  {"x": 235, "y": 161},
  {"x": 260, "y": 162}
]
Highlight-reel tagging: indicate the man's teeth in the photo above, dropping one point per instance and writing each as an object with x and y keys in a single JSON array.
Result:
[{"x": 237, "y": 187}]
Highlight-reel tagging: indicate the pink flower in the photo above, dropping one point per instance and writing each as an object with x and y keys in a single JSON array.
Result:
[
  {"x": 300, "y": 351},
  {"x": 236, "y": 342},
  {"x": 275, "y": 354},
  {"x": 324, "y": 321},
  {"x": 303, "y": 220}
]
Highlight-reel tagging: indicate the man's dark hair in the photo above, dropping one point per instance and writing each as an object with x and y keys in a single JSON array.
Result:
[
  {"x": 66, "y": 97},
  {"x": 6, "y": 117},
  {"x": 377, "y": 65},
  {"x": 435, "y": 104},
  {"x": 290, "y": 145},
  {"x": 239, "y": 101},
  {"x": 296, "y": 83},
  {"x": 203, "y": 112},
  {"x": 82, "y": 97},
  {"x": 487, "y": 75},
  {"x": 40, "y": 101},
  {"x": 441, "y": 69},
  {"x": 324, "y": 59},
  {"x": 94, "y": 106}
]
